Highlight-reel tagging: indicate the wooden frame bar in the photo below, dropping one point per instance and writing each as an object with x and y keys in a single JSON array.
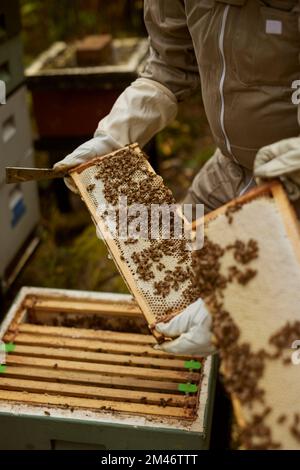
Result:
[
  {"x": 67, "y": 306},
  {"x": 122, "y": 359},
  {"x": 93, "y": 404},
  {"x": 101, "y": 335},
  {"x": 87, "y": 391},
  {"x": 87, "y": 345},
  {"x": 122, "y": 371},
  {"x": 110, "y": 381}
]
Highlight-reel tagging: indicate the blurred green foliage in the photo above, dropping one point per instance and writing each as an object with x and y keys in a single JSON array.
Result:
[{"x": 61, "y": 20}]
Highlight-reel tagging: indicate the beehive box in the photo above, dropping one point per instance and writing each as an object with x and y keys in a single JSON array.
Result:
[
  {"x": 15, "y": 133},
  {"x": 249, "y": 275},
  {"x": 81, "y": 373},
  {"x": 19, "y": 208},
  {"x": 61, "y": 90},
  {"x": 19, "y": 205}
]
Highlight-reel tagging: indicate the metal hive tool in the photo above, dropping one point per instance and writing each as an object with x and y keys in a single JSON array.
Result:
[{"x": 160, "y": 281}]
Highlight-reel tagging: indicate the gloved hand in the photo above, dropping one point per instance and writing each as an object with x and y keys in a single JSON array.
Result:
[
  {"x": 281, "y": 160},
  {"x": 141, "y": 111},
  {"x": 93, "y": 148},
  {"x": 192, "y": 330}
]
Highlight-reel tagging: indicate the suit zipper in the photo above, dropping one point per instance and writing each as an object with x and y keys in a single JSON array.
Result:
[
  {"x": 222, "y": 81},
  {"x": 247, "y": 186},
  {"x": 221, "y": 88}
]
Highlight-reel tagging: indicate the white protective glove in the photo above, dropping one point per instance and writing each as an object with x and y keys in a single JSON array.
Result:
[
  {"x": 192, "y": 330},
  {"x": 140, "y": 112},
  {"x": 281, "y": 160}
]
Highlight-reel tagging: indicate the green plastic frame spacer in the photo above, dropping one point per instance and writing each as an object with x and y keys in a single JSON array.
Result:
[
  {"x": 188, "y": 388},
  {"x": 192, "y": 365},
  {"x": 10, "y": 347},
  {"x": 7, "y": 347},
  {"x": 2, "y": 368}
]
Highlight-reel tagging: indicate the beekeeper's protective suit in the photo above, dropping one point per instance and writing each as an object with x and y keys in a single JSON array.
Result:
[{"x": 245, "y": 55}]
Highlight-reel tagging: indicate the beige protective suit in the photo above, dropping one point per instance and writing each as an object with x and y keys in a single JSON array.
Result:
[{"x": 245, "y": 56}]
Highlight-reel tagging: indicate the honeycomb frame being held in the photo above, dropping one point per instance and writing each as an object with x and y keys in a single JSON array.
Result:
[{"x": 156, "y": 268}]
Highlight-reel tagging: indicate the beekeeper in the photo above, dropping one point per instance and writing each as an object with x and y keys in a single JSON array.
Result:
[{"x": 245, "y": 56}]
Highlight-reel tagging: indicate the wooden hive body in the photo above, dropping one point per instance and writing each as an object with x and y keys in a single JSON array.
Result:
[{"x": 60, "y": 364}]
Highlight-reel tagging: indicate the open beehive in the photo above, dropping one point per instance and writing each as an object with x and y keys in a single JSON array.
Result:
[
  {"x": 249, "y": 275},
  {"x": 156, "y": 270},
  {"x": 85, "y": 356}
]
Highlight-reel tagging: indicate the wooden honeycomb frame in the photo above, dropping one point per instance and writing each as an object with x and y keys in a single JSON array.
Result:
[
  {"x": 144, "y": 300},
  {"x": 291, "y": 228}
]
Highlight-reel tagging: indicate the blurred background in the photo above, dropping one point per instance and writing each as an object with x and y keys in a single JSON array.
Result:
[
  {"x": 55, "y": 100},
  {"x": 62, "y": 20}
]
